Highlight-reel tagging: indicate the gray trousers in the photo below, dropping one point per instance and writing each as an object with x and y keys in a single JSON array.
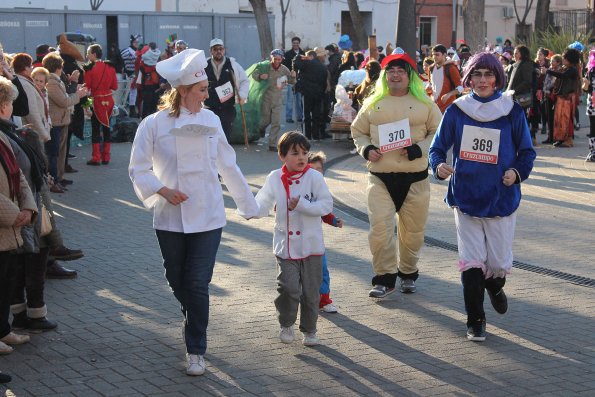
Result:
[{"x": 298, "y": 283}]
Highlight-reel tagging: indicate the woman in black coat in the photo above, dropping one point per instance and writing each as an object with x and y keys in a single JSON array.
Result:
[{"x": 522, "y": 79}]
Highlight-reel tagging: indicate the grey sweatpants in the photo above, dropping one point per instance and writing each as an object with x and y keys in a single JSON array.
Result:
[{"x": 298, "y": 283}]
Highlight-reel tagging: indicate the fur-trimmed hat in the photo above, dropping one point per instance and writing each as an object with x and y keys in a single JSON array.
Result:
[{"x": 68, "y": 48}]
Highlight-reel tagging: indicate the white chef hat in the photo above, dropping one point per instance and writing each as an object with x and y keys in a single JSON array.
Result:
[{"x": 185, "y": 68}]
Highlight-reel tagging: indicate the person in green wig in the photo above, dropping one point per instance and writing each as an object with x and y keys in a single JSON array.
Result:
[{"x": 393, "y": 131}]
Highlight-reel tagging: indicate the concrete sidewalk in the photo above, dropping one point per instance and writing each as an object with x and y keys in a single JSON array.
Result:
[{"x": 119, "y": 325}]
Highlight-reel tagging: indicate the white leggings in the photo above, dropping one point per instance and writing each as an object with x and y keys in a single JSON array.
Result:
[{"x": 485, "y": 243}]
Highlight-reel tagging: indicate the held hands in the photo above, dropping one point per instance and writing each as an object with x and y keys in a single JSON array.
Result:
[
  {"x": 174, "y": 197},
  {"x": 292, "y": 203},
  {"x": 444, "y": 170},
  {"x": 264, "y": 76},
  {"x": 23, "y": 219},
  {"x": 509, "y": 178}
]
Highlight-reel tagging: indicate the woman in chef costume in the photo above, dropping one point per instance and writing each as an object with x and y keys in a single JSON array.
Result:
[{"x": 176, "y": 157}]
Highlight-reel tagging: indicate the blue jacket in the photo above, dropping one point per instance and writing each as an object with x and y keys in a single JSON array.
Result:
[{"x": 476, "y": 188}]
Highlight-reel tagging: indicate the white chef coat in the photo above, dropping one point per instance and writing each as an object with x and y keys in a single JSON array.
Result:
[
  {"x": 189, "y": 164},
  {"x": 298, "y": 233}
]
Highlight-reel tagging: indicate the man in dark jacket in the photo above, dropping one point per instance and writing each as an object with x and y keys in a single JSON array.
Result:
[
  {"x": 292, "y": 94},
  {"x": 312, "y": 83},
  {"x": 334, "y": 61}
]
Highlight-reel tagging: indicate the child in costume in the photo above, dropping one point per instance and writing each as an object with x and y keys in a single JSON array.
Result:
[
  {"x": 316, "y": 161},
  {"x": 301, "y": 197}
]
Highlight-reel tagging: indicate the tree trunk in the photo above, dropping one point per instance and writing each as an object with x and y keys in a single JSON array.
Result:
[
  {"x": 473, "y": 23},
  {"x": 284, "y": 8},
  {"x": 361, "y": 39},
  {"x": 259, "y": 7},
  {"x": 523, "y": 32},
  {"x": 541, "y": 15},
  {"x": 406, "y": 27}
]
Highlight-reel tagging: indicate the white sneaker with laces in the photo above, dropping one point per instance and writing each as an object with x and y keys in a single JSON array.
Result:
[
  {"x": 287, "y": 334},
  {"x": 329, "y": 308},
  {"x": 310, "y": 339},
  {"x": 196, "y": 364}
]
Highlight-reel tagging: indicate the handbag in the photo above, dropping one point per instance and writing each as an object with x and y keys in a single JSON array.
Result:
[
  {"x": 525, "y": 100},
  {"x": 46, "y": 222}
]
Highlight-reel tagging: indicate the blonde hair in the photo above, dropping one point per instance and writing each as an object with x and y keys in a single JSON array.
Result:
[
  {"x": 8, "y": 92},
  {"x": 557, "y": 57},
  {"x": 41, "y": 71},
  {"x": 172, "y": 100}
]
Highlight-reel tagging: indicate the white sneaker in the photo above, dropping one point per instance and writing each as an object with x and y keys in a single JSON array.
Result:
[
  {"x": 310, "y": 339},
  {"x": 329, "y": 308},
  {"x": 5, "y": 349},
  {"x": 196, "y": 365},
  {"x": 287, "y": 334}
]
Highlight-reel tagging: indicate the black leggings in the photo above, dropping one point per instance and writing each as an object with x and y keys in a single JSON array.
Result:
[{"x": 592, "y": 126}]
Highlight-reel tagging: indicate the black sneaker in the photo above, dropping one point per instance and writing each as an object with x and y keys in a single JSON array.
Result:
[
  {"x": 66, "y": 254},
  {"x": 477, "y": 332},
  {"x": 4, "y": 378},
  {"x": 41, "y": 324},
  {"x": 499, "y": 301}
]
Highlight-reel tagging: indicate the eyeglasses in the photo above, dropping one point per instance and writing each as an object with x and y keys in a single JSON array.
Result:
[
  {"x": 480, "y": 75},
  {"x": 396, "y": 72}
]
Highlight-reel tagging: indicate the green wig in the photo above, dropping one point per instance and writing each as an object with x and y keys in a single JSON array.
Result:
[{"x": 381, "y": 90}]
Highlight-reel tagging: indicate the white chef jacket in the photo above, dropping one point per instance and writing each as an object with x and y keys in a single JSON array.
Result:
[
  {"x": 298, "y": 233},
  {"x": 188, "y": 163}
]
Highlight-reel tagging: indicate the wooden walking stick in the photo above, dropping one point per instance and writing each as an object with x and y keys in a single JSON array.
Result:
[{"x": 235, "y": 87}]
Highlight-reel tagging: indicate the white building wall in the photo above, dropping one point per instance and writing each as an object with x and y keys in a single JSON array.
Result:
[
  {"x": 498, "y": 25},
  {"x": 317, "y": 22}
]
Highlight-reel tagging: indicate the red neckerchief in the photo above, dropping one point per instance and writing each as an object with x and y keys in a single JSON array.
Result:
[
  {"x": 287, "y": 176},
  {"x": 11, "y": 167}
]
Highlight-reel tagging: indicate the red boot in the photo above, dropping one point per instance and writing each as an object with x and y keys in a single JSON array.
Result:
[
  {"x": 96, "y": 155},
  {"x": 106, "y": 153}
]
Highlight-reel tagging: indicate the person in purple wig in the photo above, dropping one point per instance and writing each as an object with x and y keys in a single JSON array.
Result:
[{"x": 492, "y": 155}]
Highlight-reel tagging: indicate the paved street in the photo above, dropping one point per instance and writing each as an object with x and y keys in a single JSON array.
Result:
[{"x": 119, "y": 325}]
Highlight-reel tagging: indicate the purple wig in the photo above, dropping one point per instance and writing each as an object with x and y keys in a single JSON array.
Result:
[{"x": 484, "y": 60}]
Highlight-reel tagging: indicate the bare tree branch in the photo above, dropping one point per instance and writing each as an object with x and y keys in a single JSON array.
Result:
[{"x": 95, "y": 4}]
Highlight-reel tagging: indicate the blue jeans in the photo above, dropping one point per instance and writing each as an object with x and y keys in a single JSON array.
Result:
[
  {"x": 299, "y": 109},
  {"x": 325, "y": 287},
  {"x": 52, "y": 150},
  {"x": 188, "y": 260}
]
